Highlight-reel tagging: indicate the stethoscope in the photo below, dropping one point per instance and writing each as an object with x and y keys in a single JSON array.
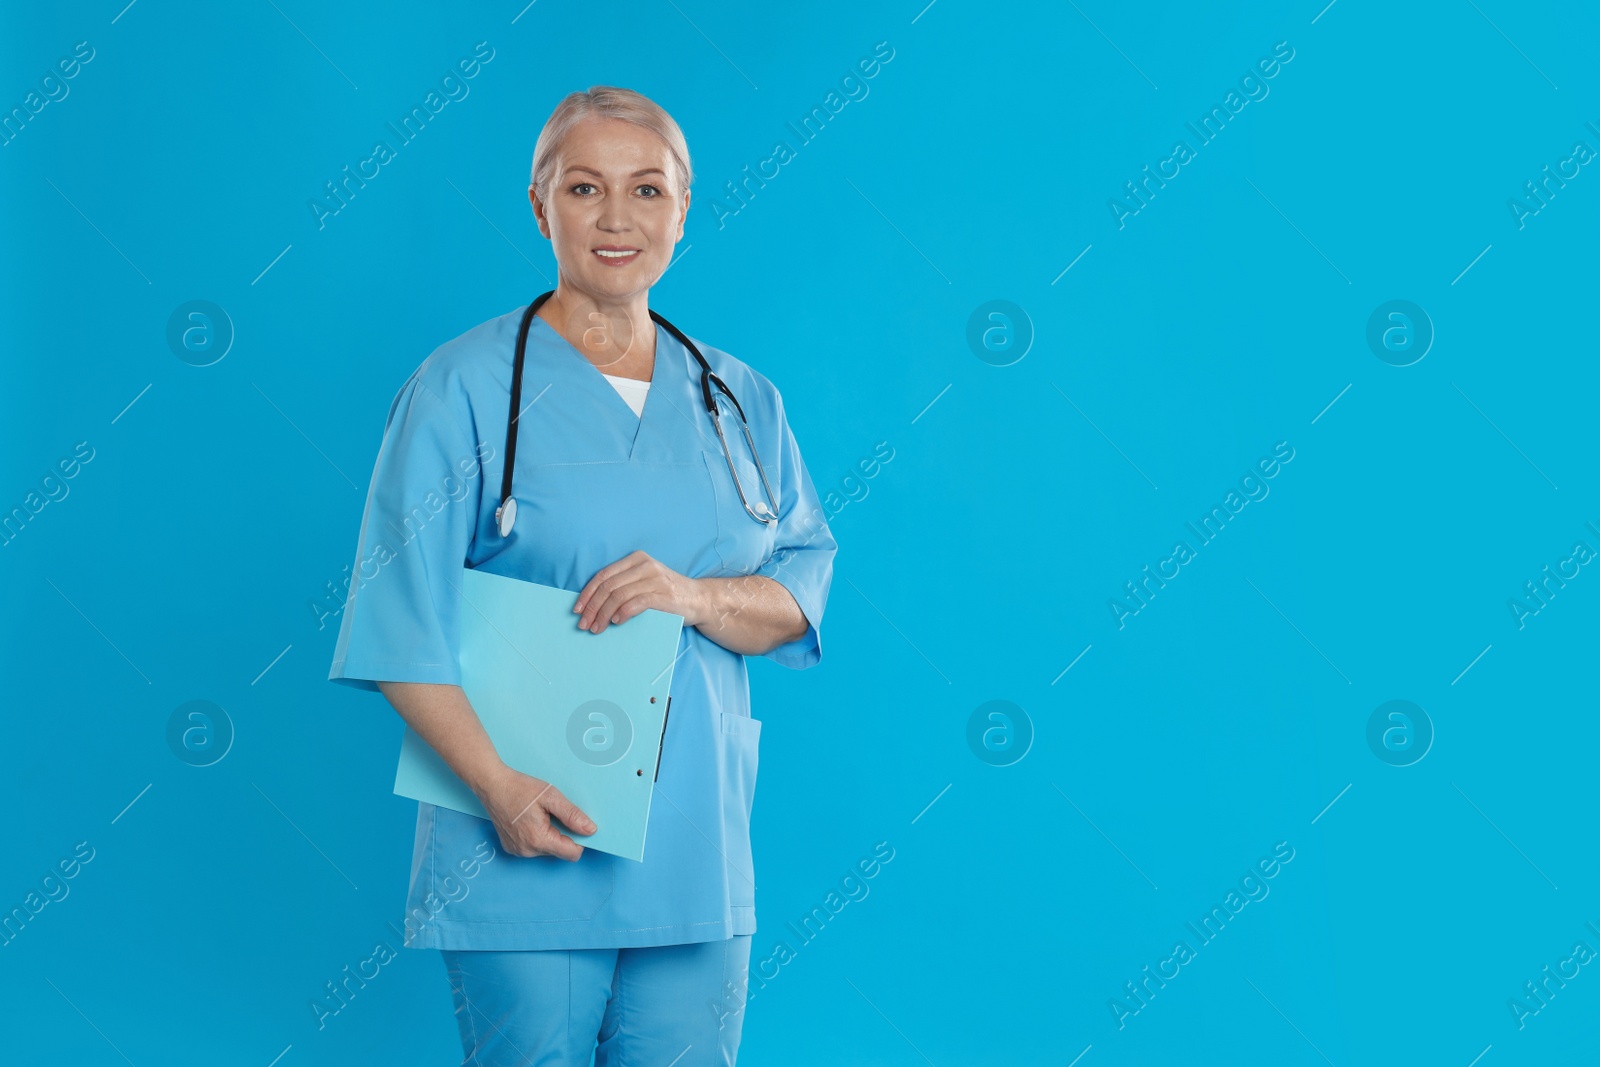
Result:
[{"x": 763, "y": 511}]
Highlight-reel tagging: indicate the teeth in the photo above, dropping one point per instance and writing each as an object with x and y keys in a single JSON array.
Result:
[{"x": 614, "y": 255}]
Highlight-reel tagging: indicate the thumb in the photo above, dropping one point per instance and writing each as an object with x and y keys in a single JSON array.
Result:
[{"x": 569, "y": 813}]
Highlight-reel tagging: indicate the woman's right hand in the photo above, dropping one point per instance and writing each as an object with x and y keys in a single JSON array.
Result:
[{"x": 521, "y": 805}]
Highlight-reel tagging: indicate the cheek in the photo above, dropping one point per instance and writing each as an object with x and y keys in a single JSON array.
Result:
[{"x": 663, "y": 235}]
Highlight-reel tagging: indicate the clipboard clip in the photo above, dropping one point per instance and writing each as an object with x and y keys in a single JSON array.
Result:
[{"x": 663, "y": 742}]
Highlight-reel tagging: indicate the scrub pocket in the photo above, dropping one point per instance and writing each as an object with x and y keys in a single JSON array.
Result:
[
  {"x": 743, "y": 543},
  {"x": 740, "y": 737}
]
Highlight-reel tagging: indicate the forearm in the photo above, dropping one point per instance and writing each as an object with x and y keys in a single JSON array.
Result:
[
  {"x": 444, "y": 718},
  {"x": 750, "y": 614}
]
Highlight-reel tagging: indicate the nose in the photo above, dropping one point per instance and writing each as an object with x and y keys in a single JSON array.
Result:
[{"x": 613, "y": 216}]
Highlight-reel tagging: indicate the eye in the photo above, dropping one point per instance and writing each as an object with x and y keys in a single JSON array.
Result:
[
  {"x": 581, "y": 185},
  {"x": 655, "y": 189}
]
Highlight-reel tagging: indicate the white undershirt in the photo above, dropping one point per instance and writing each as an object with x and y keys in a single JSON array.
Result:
[{"x": 632, "y": 391}]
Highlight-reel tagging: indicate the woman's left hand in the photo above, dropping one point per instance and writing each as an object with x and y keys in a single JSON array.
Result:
[{"x": 637, "y": 581}]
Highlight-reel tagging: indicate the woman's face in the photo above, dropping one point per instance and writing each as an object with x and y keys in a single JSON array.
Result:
[{"x": 614, "y": 211}]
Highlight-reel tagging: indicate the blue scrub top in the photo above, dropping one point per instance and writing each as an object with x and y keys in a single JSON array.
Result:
[{"x": 593, "y": 483}]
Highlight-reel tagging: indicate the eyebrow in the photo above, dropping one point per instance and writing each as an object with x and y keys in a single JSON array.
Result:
[{"x": 636, "y": 174}]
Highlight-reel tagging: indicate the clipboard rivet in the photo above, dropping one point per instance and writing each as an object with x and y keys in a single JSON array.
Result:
[
  {"x": 640, "y": 773},
  {"x": 652, "y": 700}
]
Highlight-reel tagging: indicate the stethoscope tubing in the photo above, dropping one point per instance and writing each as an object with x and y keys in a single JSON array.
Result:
[{"x": 505, "y": 514}]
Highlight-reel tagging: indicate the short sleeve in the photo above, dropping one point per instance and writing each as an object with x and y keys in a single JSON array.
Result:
[
  {"x": 802, "y": 559},
  {"x": 401, "y": 618}
]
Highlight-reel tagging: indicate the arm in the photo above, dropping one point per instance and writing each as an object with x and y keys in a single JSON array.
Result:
[
  {"x": 751, "y": 614},
  {"x": 519, "y": 805},
  {"x": 444, "y": 719}
]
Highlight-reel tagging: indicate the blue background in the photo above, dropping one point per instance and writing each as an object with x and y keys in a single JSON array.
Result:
[{"x": 1181, "y": 347}]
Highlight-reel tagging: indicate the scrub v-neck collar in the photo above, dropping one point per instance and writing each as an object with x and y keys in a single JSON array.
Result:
[{"x": 597, "y": 381}]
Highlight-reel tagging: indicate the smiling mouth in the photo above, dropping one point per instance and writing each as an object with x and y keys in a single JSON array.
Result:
[{"x": 616, "y": 253}]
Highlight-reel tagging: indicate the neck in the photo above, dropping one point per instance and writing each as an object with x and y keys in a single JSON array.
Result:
[{"x": 618, "y": 336}]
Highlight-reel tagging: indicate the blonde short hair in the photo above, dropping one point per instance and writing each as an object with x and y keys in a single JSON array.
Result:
[{"x": 611, "y": 102}]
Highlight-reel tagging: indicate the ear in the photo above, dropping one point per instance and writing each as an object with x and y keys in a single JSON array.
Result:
[
  {"x": 684, "y": 217},
  {"x": 538, "y": 212}
]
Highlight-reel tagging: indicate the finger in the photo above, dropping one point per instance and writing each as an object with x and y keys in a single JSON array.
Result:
[
  {"x": 561, "y": 846},
  {"x": 633, "y": 606},
  {"x": 606, "y": 613},
  {"x": 603, "y": 607},
  {"x": 593, "y": 608},
  {"x": 609, "y": 577},
  {"x": 600, "y": 576}
]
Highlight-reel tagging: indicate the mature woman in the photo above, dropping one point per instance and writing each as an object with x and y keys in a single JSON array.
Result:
[{"x": 624, "y": 494}]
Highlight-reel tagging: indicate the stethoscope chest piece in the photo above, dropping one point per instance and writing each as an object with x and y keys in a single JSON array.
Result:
[{"x": 506, "y": 514}]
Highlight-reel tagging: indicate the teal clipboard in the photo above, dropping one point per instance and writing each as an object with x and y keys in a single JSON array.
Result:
[{"x": 586, "y": 712}]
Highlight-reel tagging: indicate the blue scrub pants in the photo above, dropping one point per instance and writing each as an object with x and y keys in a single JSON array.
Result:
[{"x": 677, "y": 1005}]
